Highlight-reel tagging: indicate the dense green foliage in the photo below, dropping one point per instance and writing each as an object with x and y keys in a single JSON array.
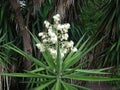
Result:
[{"x": 95, "y": 20}]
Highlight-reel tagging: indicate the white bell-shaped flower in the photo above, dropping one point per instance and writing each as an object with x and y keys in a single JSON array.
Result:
[{"x": 41, "y": 47}]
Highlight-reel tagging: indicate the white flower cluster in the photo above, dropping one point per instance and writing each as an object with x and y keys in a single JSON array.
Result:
[
  {"x": 56, "y": 33},
  {"x": 22, "y": 3}
]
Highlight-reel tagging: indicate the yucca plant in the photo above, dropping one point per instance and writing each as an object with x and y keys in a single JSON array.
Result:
[
  {"x": 7, "y": 34},
  {"x": 109, "y": 27},
  {"x": 117, "y": 83},
  {"x": 7, "y": 63},
  {"x": 107, "y": 53},
  {"x": 56, "y": 67}
]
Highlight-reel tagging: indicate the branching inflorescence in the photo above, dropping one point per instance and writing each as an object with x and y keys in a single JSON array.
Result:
[{"x": 57, "y": 32}]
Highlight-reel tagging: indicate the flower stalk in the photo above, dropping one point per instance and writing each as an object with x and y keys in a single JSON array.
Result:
[{"x": 55, "y": 40}]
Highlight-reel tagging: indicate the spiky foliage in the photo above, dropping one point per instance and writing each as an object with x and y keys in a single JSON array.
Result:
[
  {"x": 16, "y": 20},
  {"x": 109, "y": 28}
]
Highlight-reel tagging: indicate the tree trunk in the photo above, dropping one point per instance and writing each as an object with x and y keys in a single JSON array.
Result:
[{"x": 23, "y": 29}]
